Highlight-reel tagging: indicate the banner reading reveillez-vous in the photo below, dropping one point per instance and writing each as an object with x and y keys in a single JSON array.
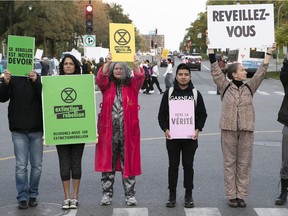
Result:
[
  {"x": 240, "y": 26},
  {"x": 20, "y": 55},
  {"x": 69, "y": 109},
  {"x": 181, "y": 119}
]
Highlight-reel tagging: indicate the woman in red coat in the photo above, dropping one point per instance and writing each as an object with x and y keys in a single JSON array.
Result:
[{"x": 118, "y": 145}]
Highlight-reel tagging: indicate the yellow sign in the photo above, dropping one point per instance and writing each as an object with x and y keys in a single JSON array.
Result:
[
  {"x": 165, "y": 53},
  {"x": 122, "y": 42}
]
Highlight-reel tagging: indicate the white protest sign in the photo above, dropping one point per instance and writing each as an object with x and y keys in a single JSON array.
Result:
[
  {"x": 38, "y": 54},
  {"x": 240, "y": 26}
]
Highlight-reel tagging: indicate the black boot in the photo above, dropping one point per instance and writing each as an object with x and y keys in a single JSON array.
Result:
[
  {"x": 281, "y": 200},
  {"x": 188, "y": 199},
  {"x": 171, "y": 203}
]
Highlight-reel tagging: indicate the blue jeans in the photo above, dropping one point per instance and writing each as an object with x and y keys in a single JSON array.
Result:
[{"x": 27, "y": 146}]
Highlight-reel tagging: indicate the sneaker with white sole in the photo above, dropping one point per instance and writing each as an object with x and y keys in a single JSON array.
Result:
[
  {"x": 131, "y": 201},
  {"x": 106, "y": 199},
  {"x": 74, "y": 204},
  {"x": 66, "y": 204}
]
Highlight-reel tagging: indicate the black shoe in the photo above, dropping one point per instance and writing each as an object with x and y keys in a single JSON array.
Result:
[
  {"x": 188, "y": 199},
  {"x": 241, "y": 203},
  {"x": 171, "y": 203},
  {"x": 32, "y": 202},
  {"x": 282, "y": 199},
  {"x": 22, "y": 205},
  {"x": 233, "y": 203}
]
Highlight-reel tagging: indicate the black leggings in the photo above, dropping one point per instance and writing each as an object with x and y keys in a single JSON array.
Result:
[{"x": 70, "y": 157}]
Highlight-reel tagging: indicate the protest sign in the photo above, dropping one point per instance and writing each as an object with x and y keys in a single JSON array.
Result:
[
  {"x": 20, "y": 55},
  {"x": 181, "y": 119},
  {"x": 38, "y": 54},
  {"x": 240, "y": 26},
  {"x": 122, "y": 42},
  {"x": 69, "y": 114},
  {"x": 164, "y": 53}
]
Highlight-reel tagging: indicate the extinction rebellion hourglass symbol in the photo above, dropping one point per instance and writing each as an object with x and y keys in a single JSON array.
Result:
[{"x": 68, "y": 95}]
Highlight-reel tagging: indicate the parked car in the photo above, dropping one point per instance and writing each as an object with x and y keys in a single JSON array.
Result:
[
  {"x": 38, "y": 67},
  {"x": 197, "y": 55},
  {"x": 193, "y": 63},
  {"x": 3, "y": 67},
  {"x": 52, "y": 67}
]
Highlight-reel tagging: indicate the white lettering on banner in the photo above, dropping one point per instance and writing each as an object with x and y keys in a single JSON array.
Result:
[{"x": 240, "y": 26}]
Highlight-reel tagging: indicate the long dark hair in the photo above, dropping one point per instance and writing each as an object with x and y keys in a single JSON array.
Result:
[{"x": 75, "y": 61}]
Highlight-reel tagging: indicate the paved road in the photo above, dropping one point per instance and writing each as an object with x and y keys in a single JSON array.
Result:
[{"x": 152, "y": 184}]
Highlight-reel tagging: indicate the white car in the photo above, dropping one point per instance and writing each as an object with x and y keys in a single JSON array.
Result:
[{"x": 196, "y": 55}]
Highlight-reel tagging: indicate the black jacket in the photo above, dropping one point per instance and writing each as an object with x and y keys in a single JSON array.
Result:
[
  {"x": 25, "y": 108},
  {"x": 200, "y": 111},
  {"x": 283, "y": 112}
]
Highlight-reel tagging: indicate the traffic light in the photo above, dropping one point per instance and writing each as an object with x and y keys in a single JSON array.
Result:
[
  {"x": 89, "y": 19},
  {"x": 152, "y": 44},
  {"x": 155, "y": 45}
]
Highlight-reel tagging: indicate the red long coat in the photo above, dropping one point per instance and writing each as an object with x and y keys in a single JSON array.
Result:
[{"x": 103, "y": 152}]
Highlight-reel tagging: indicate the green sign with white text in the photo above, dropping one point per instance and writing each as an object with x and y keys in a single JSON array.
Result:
[
  {"x": 20, "y": 54},
  {"x": 69, "y": 111}
]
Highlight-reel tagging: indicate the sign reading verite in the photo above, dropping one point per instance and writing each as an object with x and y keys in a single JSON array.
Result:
[{"x": 69, "y": 113}]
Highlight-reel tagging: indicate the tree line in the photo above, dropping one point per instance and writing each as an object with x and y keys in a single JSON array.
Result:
[{"x": 58, "y": 25}]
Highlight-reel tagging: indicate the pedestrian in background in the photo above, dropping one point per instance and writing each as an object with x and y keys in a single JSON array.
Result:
[
  {"x": 147, "y": 82},
  {"x": 237, "y": 124},
  {"x": 25, "y": 124},
  {"x": 118, "y": 147},
  {"x": 169, "y": 74},
  {"x": 45, "y": 66},
  {"x": 99, "y": 65},
  {"x": 283, "y": 118},
  {"x": 154, "y": 77},
  {"x": 70, "y": 155},
  {"x": 183, "y": 88}
]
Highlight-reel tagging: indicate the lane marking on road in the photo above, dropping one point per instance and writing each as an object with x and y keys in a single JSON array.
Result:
[
  {"x": 279, "y": 93},
  {"x": 147, "y": 139},
  {"x": 130, "y": 211},
  {"x": 271, "y": 211},
  {"x": 262, "y": 92},
  {"x": 212, "y": 92},
  {"x": 206, "y": 67},
  {"x": 71, "y": 212},
  {"x": 202, "y": 212}
]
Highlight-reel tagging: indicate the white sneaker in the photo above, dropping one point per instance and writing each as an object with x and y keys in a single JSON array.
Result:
[
  {"x": 66, "y": 204},
  {"x": 151, "y": 91},
  {"x": 106, "y": 199},
  {"x": 73, "y": 204},
  {"x": 131, "y": 201}
]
